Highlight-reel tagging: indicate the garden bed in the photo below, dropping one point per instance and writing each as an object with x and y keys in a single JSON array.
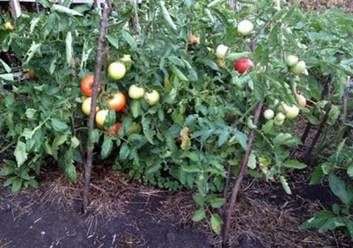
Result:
[{"x": 128, "y": 214}]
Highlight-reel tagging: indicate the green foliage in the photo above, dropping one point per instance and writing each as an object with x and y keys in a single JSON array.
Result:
[{"x": 337, "y": 171}]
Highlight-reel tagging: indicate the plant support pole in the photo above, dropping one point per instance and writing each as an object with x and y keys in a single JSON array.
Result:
[
  {"x": 236, "y": 187},
  {"x": 100, "y": 56}
]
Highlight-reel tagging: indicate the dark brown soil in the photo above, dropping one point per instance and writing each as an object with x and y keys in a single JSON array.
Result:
[
  {"x": 127, "y": 214},
  {"x": 26, "y": 221}
]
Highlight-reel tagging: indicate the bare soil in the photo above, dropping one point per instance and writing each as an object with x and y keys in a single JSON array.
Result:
[{"x": 126, "y": 214}]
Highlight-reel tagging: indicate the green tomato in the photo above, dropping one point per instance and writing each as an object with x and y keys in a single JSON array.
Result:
[{"x": 117, "y": 70}]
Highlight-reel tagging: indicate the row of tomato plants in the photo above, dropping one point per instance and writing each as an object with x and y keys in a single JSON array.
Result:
[{"x": 176, "y": 110}]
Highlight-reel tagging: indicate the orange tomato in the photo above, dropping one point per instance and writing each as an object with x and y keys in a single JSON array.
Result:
[
  {"x": 86, "y": 85},
  {"x": 117, "y": 102}
]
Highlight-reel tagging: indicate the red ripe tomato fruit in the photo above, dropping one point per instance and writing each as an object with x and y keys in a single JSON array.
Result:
[{"x": 243, "y": 65}]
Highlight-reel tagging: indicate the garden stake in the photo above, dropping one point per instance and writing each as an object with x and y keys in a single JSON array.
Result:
[
  {"x": 317, "y": 135},
  {"x": 236, "y": 187},
  {"x": 101, "y": 55}
]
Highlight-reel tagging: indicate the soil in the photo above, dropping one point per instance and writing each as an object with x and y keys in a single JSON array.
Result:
[
  {"x": 127, "y": 214},
  {"x": 26, "y": 221}
]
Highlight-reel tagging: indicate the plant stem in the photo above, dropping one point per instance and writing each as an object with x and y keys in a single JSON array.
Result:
[
  {"x": 236, "y": 187},
  {"x": 100, "y": 57}
]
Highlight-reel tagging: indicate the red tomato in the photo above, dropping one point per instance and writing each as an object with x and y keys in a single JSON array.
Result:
[
  {"x": 118, "y": 102},
  {"x": 243, "y": 65},
  {"x": 114, "y": 129},
  {"x": 86, "y": 85}
]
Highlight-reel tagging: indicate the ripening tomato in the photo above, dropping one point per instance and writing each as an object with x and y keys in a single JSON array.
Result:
[
  {"x": 117, "y": 102},
  {"x": 114, "y": 129},
  {"x": 101, "y": 116},
  {"x": 243, "y": 65},
  {"x": 86, "y": 85}
]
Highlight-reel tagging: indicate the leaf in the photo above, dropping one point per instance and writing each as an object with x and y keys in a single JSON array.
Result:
[
  {"x": 65, "y": 10},
  {"x": 59, "y": 140},
  {"x": 16, "y": 185},
  {"x": 6, "y": 67},
  {"x": 242, "y": 138},
  {"x": 216, "y": 202},
  {"x": 74, "y": 142},
  {"x": 129, "y": 39},
  {"x": 154, "y": 168},
  {"x": 67, "y": 163},
  {"x": 295, "y": 164},
  {"x": 34, "y": 23},
  {"x": 338, "y": 188},
  {"x": 94, "y": 136},
  {"x": 316, "y": 176},
  {"x": 318, "y": 220},
  {"x": 252, "y": 161},
  {"x": 107, "y": 147},
  {"x": 124, "y": 152},
  {"x": 147, "y": 129},
  {"x": 58, "y": 125},
  {"x": 113, "y": 41},
  {"x": 285, "y": 185},
  {"x": 7, "y": 76},
  {"x": 223, "y": 137},
  {"x": 30, "y": 112},
  {"x": 167, "y": 16},
  {"x": 69, "y": 50},
  {"x": 35, "y": 48},
  {"x": 216, "y": 223},
  {"x": 198, "y": 215},
  {"x": 20, "y": 153},
  {"x": 135, "y": 108},
  {"x": 350, "y": 171}
]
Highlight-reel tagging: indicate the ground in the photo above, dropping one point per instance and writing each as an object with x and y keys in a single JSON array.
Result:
[{"x": 126, "y": 214}]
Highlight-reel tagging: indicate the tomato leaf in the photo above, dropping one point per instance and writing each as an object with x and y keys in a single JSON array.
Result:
[
  {"x": 20, "y": 153},
  {"x": 198, "y": 215},
  {"x": 295, "y": 164},
  {"x": 107, "y": 147},
  {"x": 216, "y": 223}
]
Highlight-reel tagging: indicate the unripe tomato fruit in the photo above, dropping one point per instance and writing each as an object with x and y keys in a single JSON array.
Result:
[
  {"x": 292, "y": 60},
  {"x": 101, "y": 116},
  {"x": 136, "y": 92},
  {"x": 114, "y": 129},
  {"x": 86, "y": 106},
  {"x": 126, "y": 59},
  {"x": 221, "y": 51},
  {"x": 279, "y": 119},
  {"x": 300, "y": 68},
  {"x": 152, "y": 97},
  {"x": 245, "y": 27},
  {"x": 117, "y": 102},
  {"x": 86, "y": 84},
  {"x": 117, "y": 70},
  {"x": 269, "y": 114},
  {"x": 290, "y": 111},
  {"x": 243, "y": 65}
]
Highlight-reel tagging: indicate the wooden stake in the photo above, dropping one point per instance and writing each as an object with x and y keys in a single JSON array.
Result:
[
  {"x": 100, "y": 57},
  {"x": 236, "y": 187}
]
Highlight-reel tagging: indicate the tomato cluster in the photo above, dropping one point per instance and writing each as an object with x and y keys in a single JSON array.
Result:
[{"x": 117, "y": 101}]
